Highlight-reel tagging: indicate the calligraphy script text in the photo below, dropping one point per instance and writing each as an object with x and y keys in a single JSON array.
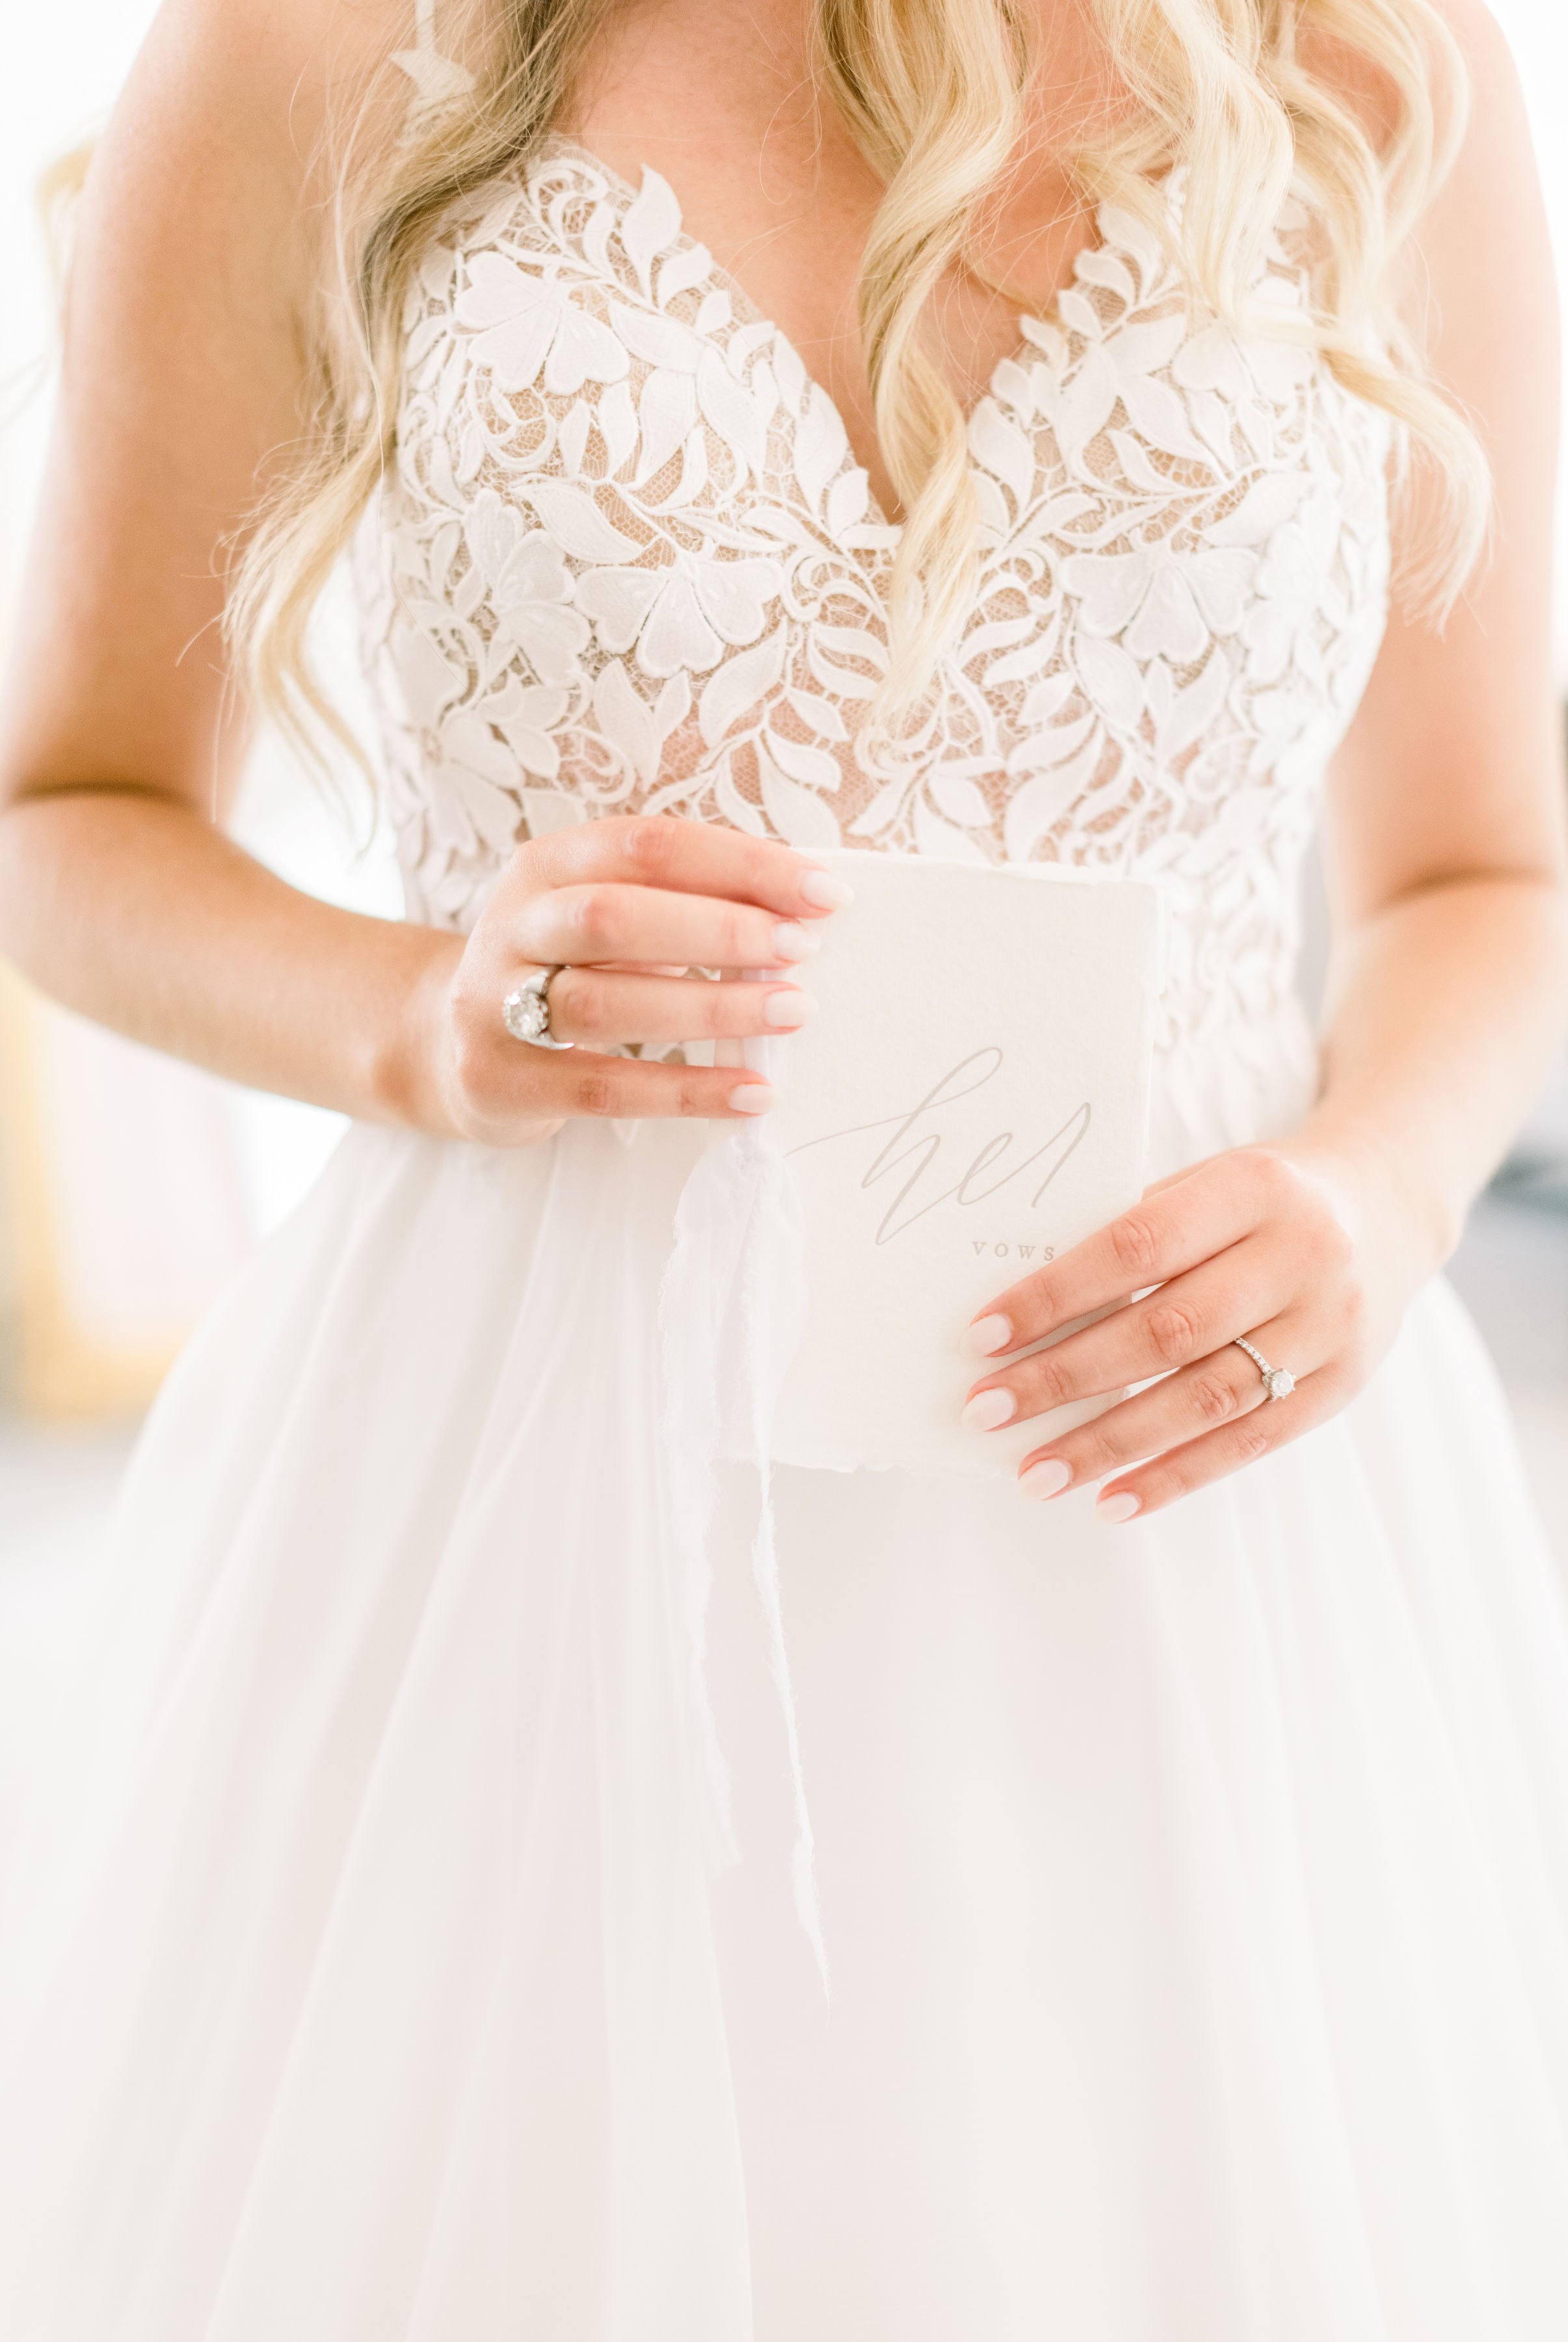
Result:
[{"x": 913, "y": 1150}]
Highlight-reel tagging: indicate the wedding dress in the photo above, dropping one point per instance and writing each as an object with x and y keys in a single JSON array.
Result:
[{"x": 1195, "y": 1893}]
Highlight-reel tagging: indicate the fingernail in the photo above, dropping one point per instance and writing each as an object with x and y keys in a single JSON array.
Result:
[
  {"x": 986, "y": 1336},
  {"x": 1047, "y": 1478},
  {"x": 752, "y": 1097},
  {"x": 824, "y": 892},
  {"x": 989, "y": 1409},
  {"x": 788, "y": 1009},
  {"x": 792, "y": 941},
  {"x": 1119, "y": 1507}
]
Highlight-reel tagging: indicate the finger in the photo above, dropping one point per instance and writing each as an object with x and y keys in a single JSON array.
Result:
[
  {"x": 683, "y": 858},
  {"x": 1197, "y": 1463},
  {"x": 1188, "y": 1319},
  {"x": 587, "y": 1004},
  {"x": 632, "y": 1089},
  {"x": 1163, "y": 1236},
  {"x": 1175, "y": 1179},
  {"x": 589, "y": 925},
  {"x": 1214, "y": 1390}
]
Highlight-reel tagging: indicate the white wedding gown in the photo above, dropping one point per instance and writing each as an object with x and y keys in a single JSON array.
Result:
[{"x": 1195, "y": 1893}]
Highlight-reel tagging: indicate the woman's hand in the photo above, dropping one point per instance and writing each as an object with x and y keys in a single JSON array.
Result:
[
  {"x": 624, "y": 908},
  {"x": 1281, "y": 1248}
]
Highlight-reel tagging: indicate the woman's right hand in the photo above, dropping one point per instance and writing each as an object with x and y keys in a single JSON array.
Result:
[{"x": 624, "y": 908}]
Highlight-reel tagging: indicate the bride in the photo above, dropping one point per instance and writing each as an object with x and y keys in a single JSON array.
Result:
[{"x": 1032, "y": 430}]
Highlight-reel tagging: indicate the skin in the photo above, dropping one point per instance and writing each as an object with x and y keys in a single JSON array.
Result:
[{"x": 120, "y": 894}]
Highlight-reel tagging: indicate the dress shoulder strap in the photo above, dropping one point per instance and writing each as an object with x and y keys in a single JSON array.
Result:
[{"x": 438, "y": 80}]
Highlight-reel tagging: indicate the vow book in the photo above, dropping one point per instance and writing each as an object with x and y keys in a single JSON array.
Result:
[{"x": 969, "y": 1100}]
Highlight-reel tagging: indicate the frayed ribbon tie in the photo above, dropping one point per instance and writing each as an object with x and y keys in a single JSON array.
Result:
[{"x": 732, "y": 1310}]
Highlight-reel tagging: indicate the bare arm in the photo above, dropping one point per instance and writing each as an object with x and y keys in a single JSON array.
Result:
[
  {"x": 119, "y": 892},
  {"x": 1449, "y": 975},
  {"x": 1445, "y": 833}
]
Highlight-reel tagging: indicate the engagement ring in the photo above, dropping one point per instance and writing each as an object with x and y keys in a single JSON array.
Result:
[
  {"x": 1278, "y": 1381},
  {"x": 525, "y": 1013}
]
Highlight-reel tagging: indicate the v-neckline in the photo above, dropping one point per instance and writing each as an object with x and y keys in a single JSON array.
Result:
[{"x": 721, "y": 279}]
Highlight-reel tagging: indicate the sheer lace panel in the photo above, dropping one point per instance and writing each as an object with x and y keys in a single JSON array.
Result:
[{"x": 627, "y": 562}]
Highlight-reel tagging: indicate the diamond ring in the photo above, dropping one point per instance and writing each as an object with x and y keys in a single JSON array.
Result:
[
  {"x": 525, "y": 1013},
  {"x": 1278, "y": 1381}
]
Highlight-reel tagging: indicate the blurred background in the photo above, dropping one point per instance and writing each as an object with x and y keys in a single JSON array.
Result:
[{"x": 131, "y": 1187}]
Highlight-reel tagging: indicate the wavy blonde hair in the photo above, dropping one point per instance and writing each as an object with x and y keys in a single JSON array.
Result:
[{"x": 934, "y": 94}]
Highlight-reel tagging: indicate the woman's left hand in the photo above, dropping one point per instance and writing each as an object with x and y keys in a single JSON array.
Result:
[{"x": 1279, "y": 1247}]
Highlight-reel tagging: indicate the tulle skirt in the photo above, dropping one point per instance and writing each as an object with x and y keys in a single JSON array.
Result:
[{"x": 1194, "y": 1893}]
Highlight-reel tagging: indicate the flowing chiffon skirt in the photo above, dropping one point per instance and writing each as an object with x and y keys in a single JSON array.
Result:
[{"x": 1195, "y": 1892}]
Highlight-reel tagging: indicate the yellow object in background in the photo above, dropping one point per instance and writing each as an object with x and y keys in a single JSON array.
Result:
[{"x": 123, "y": 1210}]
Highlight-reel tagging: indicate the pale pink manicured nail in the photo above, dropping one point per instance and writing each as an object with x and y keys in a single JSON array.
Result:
[
  {"x": 1119, "y": 1507},
  {"x": 792, "y": 941},
  {"x": 989, "y": 1410},
  {"x": 824, "y": 892},
  {"x": 1046, "y": 1478},
  {"x": 752, "y": 1097},
  {"x": 788, "y": 1009},
  {"x": 986, "y": 1336}
]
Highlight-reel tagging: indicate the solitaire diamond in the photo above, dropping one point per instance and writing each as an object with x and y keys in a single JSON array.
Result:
[
  {"x": 526, "y": 1017},
  {"x": 1278, "y": 1381},
  {"x": 525, "y": 1013}
]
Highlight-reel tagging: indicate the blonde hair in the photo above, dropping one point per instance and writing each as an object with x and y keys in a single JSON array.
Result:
[{"x": 933, "y": 93}]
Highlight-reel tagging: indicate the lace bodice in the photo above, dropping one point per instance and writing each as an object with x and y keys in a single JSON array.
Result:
[{"x": 628, "y": 562}]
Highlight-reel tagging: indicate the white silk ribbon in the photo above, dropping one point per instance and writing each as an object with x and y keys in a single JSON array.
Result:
[{"x": 732, "y": 1310}]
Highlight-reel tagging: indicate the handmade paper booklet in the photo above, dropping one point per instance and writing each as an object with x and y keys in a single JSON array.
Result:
[{"x": 969, "y": 1100}]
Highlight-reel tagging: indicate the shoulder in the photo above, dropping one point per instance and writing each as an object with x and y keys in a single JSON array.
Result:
[
  {"x": 208, "y": 192},
  {"x": 302, "y": 53},
  {"x": 1493, "y": 190},
  {"x": 258, "y": 91},
  {"x": 1459, "y": 46},
  {"x": 1477, "y": 261},
  {"x": 1482, "y": 265},
  {"x": 1480, "y": 38}
]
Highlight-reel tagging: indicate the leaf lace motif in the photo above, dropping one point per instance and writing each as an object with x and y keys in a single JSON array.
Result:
[{"x": 629, "y": 563}]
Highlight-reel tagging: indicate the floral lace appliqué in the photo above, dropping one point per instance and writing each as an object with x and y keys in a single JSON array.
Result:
[{"x": 628, "y": 562}]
